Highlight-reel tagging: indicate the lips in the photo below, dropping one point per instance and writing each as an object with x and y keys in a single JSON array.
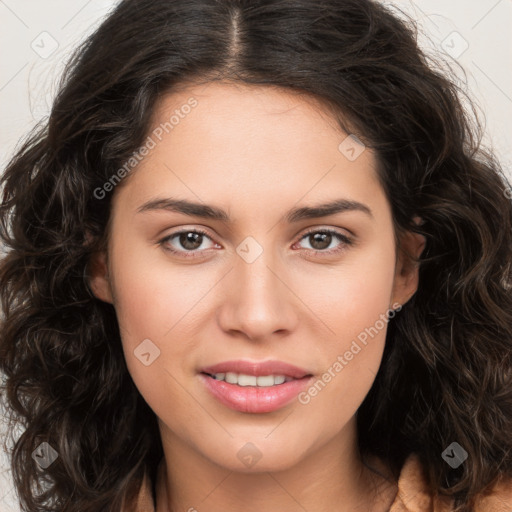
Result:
[{"x": 247, "y": 398}]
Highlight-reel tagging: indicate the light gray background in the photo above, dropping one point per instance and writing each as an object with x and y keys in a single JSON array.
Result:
[{"x": 36, "y": 37}]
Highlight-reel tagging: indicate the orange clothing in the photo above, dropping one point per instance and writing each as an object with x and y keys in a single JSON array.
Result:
[{"x": 412, "y": 495}]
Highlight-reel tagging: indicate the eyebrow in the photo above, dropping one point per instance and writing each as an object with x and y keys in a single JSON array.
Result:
[{"x": 214, "y": 213}]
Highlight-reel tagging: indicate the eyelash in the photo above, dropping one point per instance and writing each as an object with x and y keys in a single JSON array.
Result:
[{"x": 346, "y": 241}]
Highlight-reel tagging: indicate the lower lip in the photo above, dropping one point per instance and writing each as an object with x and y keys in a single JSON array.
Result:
[{"x": 253, "y": 399}]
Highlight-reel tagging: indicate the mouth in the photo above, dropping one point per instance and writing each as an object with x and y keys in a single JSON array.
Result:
[{"x": 254, "y": 387}]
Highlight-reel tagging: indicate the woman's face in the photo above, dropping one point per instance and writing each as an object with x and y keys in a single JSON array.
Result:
[{"x": 257, "y": 279}]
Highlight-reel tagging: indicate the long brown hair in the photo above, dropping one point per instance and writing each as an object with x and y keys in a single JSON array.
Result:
[{"x": 447, "y": 366}]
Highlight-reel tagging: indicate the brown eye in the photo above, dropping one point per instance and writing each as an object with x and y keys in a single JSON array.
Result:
[
  {"x": 187, "y": 242},
  {"x": 190, "y": 240},
  {"x": 321, "y": 241}
]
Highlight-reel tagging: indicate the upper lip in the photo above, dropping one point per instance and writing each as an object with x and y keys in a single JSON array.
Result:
[{"x": 257, "y": 368}]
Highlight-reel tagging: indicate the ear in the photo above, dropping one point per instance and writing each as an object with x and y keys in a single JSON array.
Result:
[
  {"x": 406, "y": 269},
  {"x": 99, "y": 280}
]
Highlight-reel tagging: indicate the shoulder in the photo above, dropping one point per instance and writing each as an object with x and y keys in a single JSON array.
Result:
[{"x": 413, "y": 494}]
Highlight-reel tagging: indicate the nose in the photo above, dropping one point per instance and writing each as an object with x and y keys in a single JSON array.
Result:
[{"x": 257, "y": 300}]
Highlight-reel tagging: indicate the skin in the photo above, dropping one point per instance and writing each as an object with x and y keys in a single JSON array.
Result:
[{"x": 256, "y": 152}]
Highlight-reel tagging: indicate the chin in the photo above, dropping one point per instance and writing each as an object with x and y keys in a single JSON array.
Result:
[{"x": 256, "y": 456}]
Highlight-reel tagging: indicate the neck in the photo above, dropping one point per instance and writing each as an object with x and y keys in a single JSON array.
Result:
[{"x": 332, "y": 477}]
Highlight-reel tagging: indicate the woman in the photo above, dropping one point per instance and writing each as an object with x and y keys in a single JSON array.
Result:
[{"x": 257, "y": 261}]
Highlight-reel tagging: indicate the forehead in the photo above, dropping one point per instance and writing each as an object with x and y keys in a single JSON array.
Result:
[{"x": 248, "y": 144}]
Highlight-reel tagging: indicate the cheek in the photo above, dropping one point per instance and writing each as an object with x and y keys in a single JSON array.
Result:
[
  {"x": 153, "y": 296},
  {"x": 354, "y": 303},
  {"x": 149, "y": 305},
  {"x": 160, "y": 309},
  {"x": 354, "y": 294}
]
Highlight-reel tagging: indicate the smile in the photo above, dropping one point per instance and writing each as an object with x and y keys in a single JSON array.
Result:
[{"x": 255, "y": 387}]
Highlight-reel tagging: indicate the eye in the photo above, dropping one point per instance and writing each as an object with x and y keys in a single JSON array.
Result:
[
  {"x": 186, "y": 241},
  {"x": 189, "y": 243},
  {"x": 320, "y": 240}
]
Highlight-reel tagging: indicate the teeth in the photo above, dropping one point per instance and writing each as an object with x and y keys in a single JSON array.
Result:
[
  {"x": 266, "y": 380},
  {"x": 241, "y": 379},
  {"x": 247, "y": 380},
  {"x": 231, "y": 378}
]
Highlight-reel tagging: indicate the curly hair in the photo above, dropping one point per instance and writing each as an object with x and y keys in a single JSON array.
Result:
[{"x": 446, "y": 372}]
